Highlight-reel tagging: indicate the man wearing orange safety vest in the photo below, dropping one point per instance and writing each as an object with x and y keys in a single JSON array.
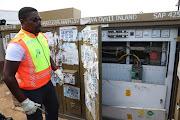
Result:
[{"x": 27, "y": 68}]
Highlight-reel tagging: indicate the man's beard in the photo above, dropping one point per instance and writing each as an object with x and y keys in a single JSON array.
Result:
[{"x": 38, "y": 29}]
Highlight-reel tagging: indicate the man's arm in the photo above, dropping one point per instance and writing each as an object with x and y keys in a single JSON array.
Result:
[
  {"x": 10, "y": 69},
  {"x": 53, "y": 65},
  {"x": 58, "y": 72}
]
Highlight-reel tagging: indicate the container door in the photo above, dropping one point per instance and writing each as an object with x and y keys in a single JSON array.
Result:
[{"x": 90, "y": 52}]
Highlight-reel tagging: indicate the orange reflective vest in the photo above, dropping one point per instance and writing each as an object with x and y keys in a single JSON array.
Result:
[{"x": 35, "y": 71}]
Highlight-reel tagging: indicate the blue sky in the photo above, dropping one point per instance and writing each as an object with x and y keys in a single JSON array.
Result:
[{"x": 90, "y": 8}]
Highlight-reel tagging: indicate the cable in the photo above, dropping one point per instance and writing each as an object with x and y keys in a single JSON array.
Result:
[
  {"x": 122, "y": 57},
  {"x": 127, "y": 55}
]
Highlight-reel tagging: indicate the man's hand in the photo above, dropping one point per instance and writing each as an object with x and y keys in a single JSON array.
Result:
[
  {"x": 60, "y": 75},
  {"x": 29, "y": 106}
]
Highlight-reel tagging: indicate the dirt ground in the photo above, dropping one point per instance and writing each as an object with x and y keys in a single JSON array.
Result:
[{"x": 6, "y": 105}]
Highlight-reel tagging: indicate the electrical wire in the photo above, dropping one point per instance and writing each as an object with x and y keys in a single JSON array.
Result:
[
  {"x": 128, "y": 55},
  {"x": 117, "y": 52}
]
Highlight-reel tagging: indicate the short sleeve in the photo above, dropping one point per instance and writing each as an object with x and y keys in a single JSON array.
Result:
[{"x": 15, "y": 52}]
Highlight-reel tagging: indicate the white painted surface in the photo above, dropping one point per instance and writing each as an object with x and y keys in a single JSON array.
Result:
[
  {"x": 169, "y": 78},
  {"x": 122, "y": 113},
  {"x": 142, "y": 95},
  {"x": 122, "y": 72}
]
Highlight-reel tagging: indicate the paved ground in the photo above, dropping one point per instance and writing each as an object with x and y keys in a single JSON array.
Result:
[{"x": 7, "y": 107}]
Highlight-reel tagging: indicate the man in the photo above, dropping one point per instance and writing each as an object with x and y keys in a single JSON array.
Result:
[{"x": 27, "y": 68}]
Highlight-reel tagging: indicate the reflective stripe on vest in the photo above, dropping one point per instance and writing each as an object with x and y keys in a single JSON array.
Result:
[{"x": 35, "y": 71}]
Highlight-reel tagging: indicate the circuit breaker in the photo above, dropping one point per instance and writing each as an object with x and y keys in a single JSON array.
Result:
[{"x": 137, "y": 73}]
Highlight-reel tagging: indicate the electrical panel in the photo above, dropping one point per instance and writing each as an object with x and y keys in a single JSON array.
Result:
[{"x": 135, "y": 64}]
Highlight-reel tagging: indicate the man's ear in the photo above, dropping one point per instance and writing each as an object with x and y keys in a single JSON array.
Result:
[{"x": 21, "y": 21}]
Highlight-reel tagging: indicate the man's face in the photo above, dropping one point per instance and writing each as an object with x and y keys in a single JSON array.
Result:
[{"x": 32, "y": 23}]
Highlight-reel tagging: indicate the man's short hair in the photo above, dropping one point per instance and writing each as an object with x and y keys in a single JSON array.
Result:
[{"x": 23, "y": 12}]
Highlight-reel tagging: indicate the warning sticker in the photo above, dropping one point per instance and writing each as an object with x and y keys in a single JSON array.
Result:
[
  {"x": 141, "y": 113},
  {"x": 129, "y": 116},
  {"x": 128, "y": 92},
  {"x": 150, "y": 115}
]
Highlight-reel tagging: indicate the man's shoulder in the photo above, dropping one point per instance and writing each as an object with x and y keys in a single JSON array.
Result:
[
  {"x": 18, "y": 37},
  {"x": 42, "y": 34}
]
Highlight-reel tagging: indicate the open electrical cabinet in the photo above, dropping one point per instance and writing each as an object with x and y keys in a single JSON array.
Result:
[
  {"x": 136, "y": 69},
  {"x": 115, "y": 67},
  {"x": 137, "y": 72}
]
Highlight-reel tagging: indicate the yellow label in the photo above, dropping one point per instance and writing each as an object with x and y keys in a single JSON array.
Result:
[
  {"x": 128, "y": 92},
  {"x": 141, "y": 112},
  {"x": 129, "y": 116}
]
